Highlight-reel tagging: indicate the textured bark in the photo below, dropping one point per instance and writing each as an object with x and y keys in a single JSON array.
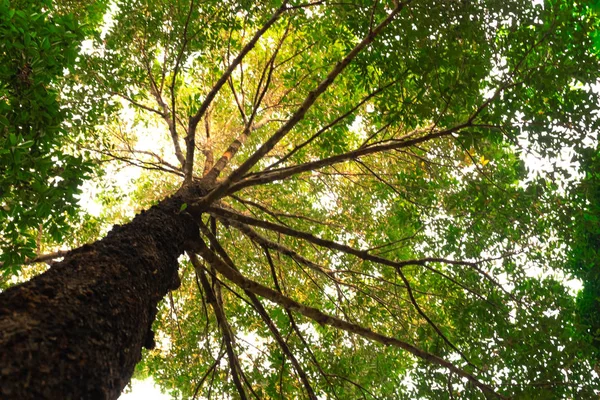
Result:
[{"x": 76, "y": 331}]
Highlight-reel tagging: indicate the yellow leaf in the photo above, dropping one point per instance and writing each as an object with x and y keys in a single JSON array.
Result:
[{"x": 483, "y": 161}]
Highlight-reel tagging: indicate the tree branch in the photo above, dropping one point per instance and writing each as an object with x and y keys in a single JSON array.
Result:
[
  {"x": 208, "y": 371},
  {"x": 233, "y": 148},
  {"x": 264, "y": 242},
  {"x": 229, "y": 215},
  {"x": 329, "y": 126},
  {"x": 190, "y": 138},
  {"x": 195, "y": 119},
  {"x": 270, "y": 143},
  {"x": 249, "y": 127},
  {"x": 261, "y": 178},
  {"x": 429, "y": 321},
  {"x": 279, "y": 215},
  {"x": 263, "y": 314},
  {"x": 325, "y": 319},
  {"x": 155, "y": 91},
  {"x": 138, "y": 104},
  {"x": 245, "y": 50},
  {"x": 225, "y": 328},
  {"x": 296, "y": 329}
]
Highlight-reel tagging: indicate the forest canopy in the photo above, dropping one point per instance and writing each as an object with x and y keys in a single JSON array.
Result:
[{"x": 390, "y": 199}]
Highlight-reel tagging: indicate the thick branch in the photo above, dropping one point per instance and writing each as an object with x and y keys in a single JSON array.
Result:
[
  {"x": 283, "y": 173},
  {"x": 245, "y": 50},
  {"x": 221, "y": 319},
  {"x": 308, "y": 102},
  {"x": 233, "y": 148},
  {"x": 240, "y": 219},
  {"x": 264, "y": 316},
  {"x": 190, "y": 138},
  {"x": 325, "y": 319},
  {"x": 362, "y": 254},
  {"x": 405, "y": 141},
  {"x": 329, "y": 126}
]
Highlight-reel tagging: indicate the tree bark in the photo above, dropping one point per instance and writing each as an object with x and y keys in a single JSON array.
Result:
[{"x": 77, "y": 330}]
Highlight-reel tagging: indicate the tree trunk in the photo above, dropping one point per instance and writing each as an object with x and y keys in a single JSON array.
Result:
[{"x": 76, "y": 331}]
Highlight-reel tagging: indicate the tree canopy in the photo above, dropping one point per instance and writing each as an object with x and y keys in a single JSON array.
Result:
[{"x": 394, "y": 199}]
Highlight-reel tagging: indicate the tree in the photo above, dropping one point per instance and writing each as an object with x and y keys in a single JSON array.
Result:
[
  {"x": 347, "y": 189},
  {"x": 39, "y": 178}
]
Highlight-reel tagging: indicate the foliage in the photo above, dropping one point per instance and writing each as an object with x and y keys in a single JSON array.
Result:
[
  {"x": 40, "y": 176},
  {"x": 374, "y": 226},
  {"x": 584, "y": 249}
]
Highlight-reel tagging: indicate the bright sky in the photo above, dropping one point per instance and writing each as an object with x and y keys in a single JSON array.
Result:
[{"x": 144, "y": 390}]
